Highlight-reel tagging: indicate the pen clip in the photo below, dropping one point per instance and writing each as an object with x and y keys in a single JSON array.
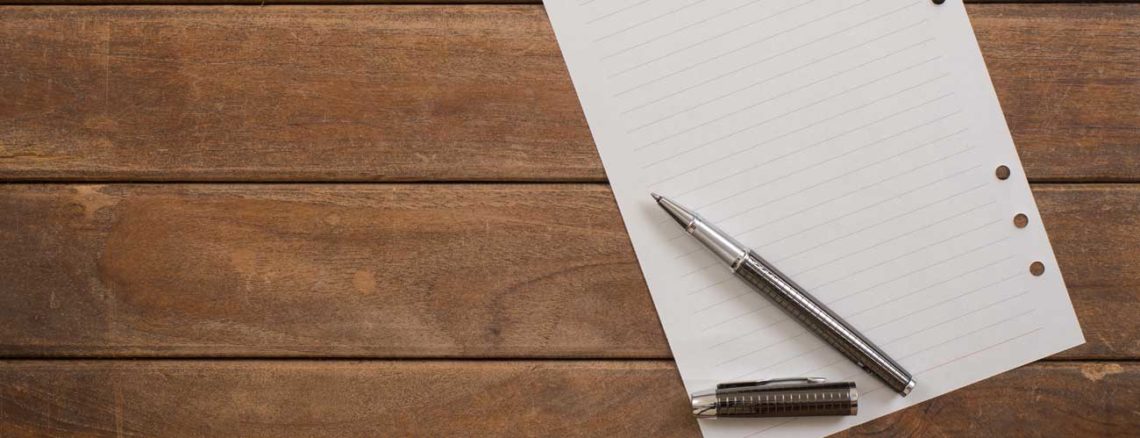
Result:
[{"x": 737, "y": 385}]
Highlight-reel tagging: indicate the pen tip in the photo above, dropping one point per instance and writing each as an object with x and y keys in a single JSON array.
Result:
[{"x": 655, "y": 196}]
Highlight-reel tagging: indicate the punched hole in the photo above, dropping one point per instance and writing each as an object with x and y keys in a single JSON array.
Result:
[
  {"x": 1021, "y": 220},
  {"x": 1037, "y": 268},
  {"x": 1002, "y": 172}
]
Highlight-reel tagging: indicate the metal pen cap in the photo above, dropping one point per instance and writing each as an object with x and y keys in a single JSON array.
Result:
[{"x": 793, "y": 397}]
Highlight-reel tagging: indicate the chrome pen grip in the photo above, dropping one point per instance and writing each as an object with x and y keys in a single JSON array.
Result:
[{"x": 822, "y": 321}]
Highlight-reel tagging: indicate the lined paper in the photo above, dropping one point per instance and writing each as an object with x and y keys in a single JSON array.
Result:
[{"x": 853, "y": 144}]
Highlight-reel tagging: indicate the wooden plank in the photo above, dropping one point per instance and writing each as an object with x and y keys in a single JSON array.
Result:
[
  {"x": 287, "y": 93},
  {"x": 1095, "y": 231},
  {"x": 422, "y": 270},
  {"x": 284, "y": 399},
  {"x": 345, "y": 399},
  {"x": 405, "y": 271},
  {"x": 441, "y": 93},
  {"x": 1069, "y": 84}
]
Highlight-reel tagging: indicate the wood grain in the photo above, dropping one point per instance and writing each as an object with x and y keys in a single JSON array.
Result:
[
  {"x": 1095, "y": 232},
  {"x": 442, "y": 93},
  {"x": 349, "y": 399},
  {"x": 421, "y": 270},
  {"x": 406, "y": 271},
  {"x": 288, "y": 93},
  {"x": 1071, "y": 91}
]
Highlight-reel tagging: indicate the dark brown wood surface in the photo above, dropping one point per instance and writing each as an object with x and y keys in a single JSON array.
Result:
[
  {"x": 428, "y": 93},
  {"x": 213, "y": 305},
  {"x": 571, "y": 398},
  {"x": 407, "y": 271}
]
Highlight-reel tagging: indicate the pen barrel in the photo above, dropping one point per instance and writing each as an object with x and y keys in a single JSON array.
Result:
[
  {"x": 806, "y": 400},
  {"x": 823, "y": 322}
]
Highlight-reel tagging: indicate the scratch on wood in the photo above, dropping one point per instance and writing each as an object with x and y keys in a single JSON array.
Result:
[
  {"x": 107, "y": 69},
  {"x": 365, "y": 282},
  {"x": 118, "y": 410},
  {"x": 91, "y": 199},
  {"x": 244, "y": 262},
  {"x": 1095, "y": 372}
]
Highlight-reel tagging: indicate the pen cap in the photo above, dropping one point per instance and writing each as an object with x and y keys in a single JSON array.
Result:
[{"x": 799, "y": 397}]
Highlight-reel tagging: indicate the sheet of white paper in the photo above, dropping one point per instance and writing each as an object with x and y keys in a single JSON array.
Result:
[{"x": 852, "y": 143}]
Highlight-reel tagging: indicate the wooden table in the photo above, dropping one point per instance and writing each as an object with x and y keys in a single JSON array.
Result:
[{"x": 298, "y": 220}]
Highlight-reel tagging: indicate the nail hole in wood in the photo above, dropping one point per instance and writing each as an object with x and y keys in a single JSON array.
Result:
[{"x": 1037, "y": 268}]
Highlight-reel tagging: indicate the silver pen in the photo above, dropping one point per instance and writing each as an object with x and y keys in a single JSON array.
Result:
[{"x": 792, "y": 298}]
